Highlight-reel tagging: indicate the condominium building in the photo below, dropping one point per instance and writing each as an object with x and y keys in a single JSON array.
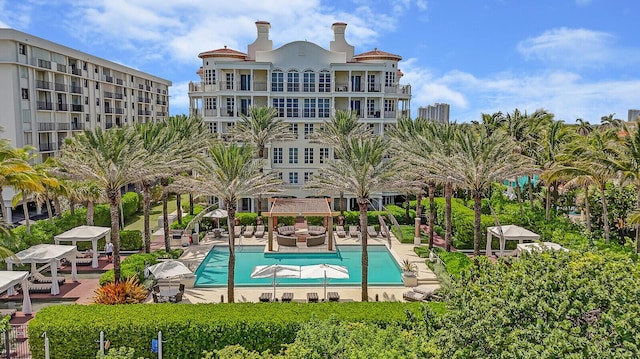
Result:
[
  {"x": 439, "y": 112},
  {"x": 306, "y": 83},
  {"x": 49, "y": 91},
  {"x": 634, "y": 116}
]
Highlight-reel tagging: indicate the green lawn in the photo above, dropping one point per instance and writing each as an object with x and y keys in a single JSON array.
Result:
[{"x": 137, "y": 222}]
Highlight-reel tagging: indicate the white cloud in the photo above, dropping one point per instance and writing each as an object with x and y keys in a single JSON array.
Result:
[
  {"x": 179, "y": 98},
  {"x": 17, "y": 16}
]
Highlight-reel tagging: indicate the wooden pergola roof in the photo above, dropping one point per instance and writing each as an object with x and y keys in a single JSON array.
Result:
[{"x": 285, "y": 207}]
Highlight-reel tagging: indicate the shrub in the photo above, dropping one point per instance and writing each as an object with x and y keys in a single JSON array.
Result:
[
  {"x": 173, "y": 254},
  {"x": 130, "y": 240},
  {"x": 132, "y": 266},
  {"x": 125, "y": 292}
]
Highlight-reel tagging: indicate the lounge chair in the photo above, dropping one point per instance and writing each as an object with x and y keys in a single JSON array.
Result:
[
  {"x": 340, "y": 232},
  {"x": 371, "y": 231},
  {"x": 237, "y": 231},
  {"x": 333, "y": 296},
  {"x": 287, "y": 297},
  {"x": 286, "y": 230},
  {"x": 178, "y": 297},
  {"x": 266, "y": 297},
  {"x": 259, "y": 231},
  {"x": 248, "y": 231},
  {"x": 38, "y": 277},
  {"x": 84, "y": 261},
  {"x": 412, "y": 296},
  {"x": 315, "y": 240},
  {"x": 384, "y": 231},
  {"x": 312, "y": 297},
  {"x": 287, "y": 241},
  {"x": 423, "y": 290},
  {"x": 354, "y": 232},
  {"x": 317, "y": 230},
  {"x": 39, "y": 287}
]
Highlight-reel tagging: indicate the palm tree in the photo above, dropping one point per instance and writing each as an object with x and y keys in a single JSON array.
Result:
[
  {"x": 261, "y": 128},
  {"x": 361, "y": 169},
  {"x": 26, "y": 183},
  {"x": 13, "y": 168},
  {"x": 230, "y": 173},
  {"x": 554, "y": 138},
  {"x": 113, "y": 159},
  {"x": 88, "y": 192}
]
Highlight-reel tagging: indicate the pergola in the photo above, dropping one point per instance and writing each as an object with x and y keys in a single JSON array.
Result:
[
  {"x": 509, "y": 232},
  {"x": 85, "y": 233},
  {"x": 8, "y": 279},
  {"x": 294, "y": 207},
  {"x": 46, "y": 253}
]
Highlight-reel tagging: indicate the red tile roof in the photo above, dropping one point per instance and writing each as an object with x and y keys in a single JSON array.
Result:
[
  {"x": 377, "y": 55},
  {"x": 224, "y": 52}
]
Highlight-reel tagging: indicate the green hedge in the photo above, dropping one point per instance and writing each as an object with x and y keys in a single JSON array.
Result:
[
  {"x": 462, "y": 221},
  {"x": 132, "y": 265},
  {"x": 102, "y": 212},
  {"x": 188, "y": 330}
]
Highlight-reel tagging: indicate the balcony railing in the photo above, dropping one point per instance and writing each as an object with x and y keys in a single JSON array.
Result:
[
  {"x": 144, "y": 113},
  {"x": 64, "y": 126},
  {"x": 109, "y": 79},
  {"x": 210, "y": 112},
  {"x": 161, "y": 114},
  {"x": 76, "y": 108},
  {"x": 140, "y": 86},
  {"x": 76, "y": 89},
  {"x": 48, "y": 146},
  {"x": 61, "y": 68},
  {"x": 108, "y": 110},
  {"x": 76, "y": 71},
  {"x": 77, "y": 126},
  {"x": 227, "y": 111},
  {"x": 108, "y": 125},
  {"x": 342, "y": 86},
  {"x": 118, "y": 96},
  {"x": 46, "y": 126},
  {"x": 159, "y": 102},
  {"x": 148, "y": 88},
  {"x": 260, "y": 86},
  {"x": 108, "y": 94},
  {"x": 119, "y": 82},
  {"x": 42, "y": 105},
  {"x": 390, "y": 114},
  {"x": 41, "y": 84},
  {"x": 63, "y": 107},
  {"x": 45, "y": 64},
  {"x": 119, "y": 111},
  {"x": 61, "y": 87}
]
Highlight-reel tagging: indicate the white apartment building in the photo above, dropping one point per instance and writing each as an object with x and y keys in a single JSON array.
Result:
[
  {"x": 439, "y": 112},
  {"x": 306, "y": 84},
  {"x": 48, "y": 92},
  {"x": 634, "y": 115}
]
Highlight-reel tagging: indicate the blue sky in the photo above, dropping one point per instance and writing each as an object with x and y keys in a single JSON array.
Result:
[{"x": 574, "y": 58}]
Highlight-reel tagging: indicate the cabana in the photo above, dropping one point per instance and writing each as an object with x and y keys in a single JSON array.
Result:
[
  {"x": 8, "y": 279},
  {"x": 50, "y": 254},
  {"x": 85, "y": 233},
  {"x": 509, "y": 232}
]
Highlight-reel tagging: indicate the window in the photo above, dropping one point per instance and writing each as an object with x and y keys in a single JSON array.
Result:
[
  {"x": 97, "y": 102},
  {"x": 308, "y": 129},
  {"x": 278, "y": 104},
  {"x": 210, "y": 103},
  {"x": 308, "y": 155},
  {"x": 371, "y": 83},
  {"x": 293, "y": 128},
  {"x": 22, "y": 50},
  {"x": 389, "y": 105},
  {"x": 97, "y": 86},
  {"x": 277, "y": 81},
  {"x": 390, "y": 79},
  {"x": 25, "y": 94},
  {"x": 324, "y": 81},
  {"x": 292, "y": 107},
  {"x": 324, "y": 154},
  {"x": 86, "y": 101},
  {"x": 323, "y": 107},
  {"x": 209, "y": 77},
  {"x": 307, "y": 176},
  {"x": 309, "y": 107},
  {"x": 86, "y": 83},
  {"x": 293, "y": 81},
  {"x": 309, "y": 81},
  {"x": 213, "y": 127},
  {"x": 280, "y": 176},
  {"x": 293, "y": 177},
  {"x": 293, "y": 155},
  {"x": 277, "y": 155},
  {"x": 371, "y": 108},
  {"x": 230, "y": 81},
  {"x": 95, "y": 69},
  {"x": 231, "y": 102}
]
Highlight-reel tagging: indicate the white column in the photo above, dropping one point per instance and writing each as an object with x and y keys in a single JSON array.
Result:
[
  {"x": 74, "y": 269},
  {"x": 26, "y": 300},
  {"x": 488, "y": 243},
  {"x": 94, "y": 250},
  {"x": 55, "y": 288}
]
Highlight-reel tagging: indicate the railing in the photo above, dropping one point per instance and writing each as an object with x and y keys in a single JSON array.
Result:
[
  {"x": 159, "y": 102},
  {"x": 76, "y": 108},
  {"x": 144, "y": 113},
  {"x": 63, "y": 107},
  {"x": 161, "y": 114},
  {"x": 76, "y": 71},
  {"x": 46, "y": 126},
  {"x": 45, "y": 105},
  {"x": 140, "y": 87},
  {"x": 374, "y": 87},
  {"x": 342, "y": 86},
  {"x": 210, "y": 112},
  {"x": 48, "y": 146},
  {"x": 119, "y": 110},
  {"x": 260, "y": 86},
  {"x": 45, "y": 64},
  {"x": 64, "y": 126},
  {"x": 108, "y": 125},
  {"x": 108, "y": 94},
  {"x": 374, "y": 114},
  {"x": 148, "y": 88},
  {"x": 118, "y": 96},
  {"x": 41, "y": 84},
  {"x": 108, "y": 110},
  {"x": 60, "y": 87},
  {"x": 77, "y": 126},
  {"x": 109, "y": 79},
  {"x": 76, "y": 89},
  {"x": 389, "y": 114},
  {"x": 17, "y": 338},
  {"x": 119, "y": 81},
  {"x": 61, "y": 68},
  {"x": 227, "y": 111}
]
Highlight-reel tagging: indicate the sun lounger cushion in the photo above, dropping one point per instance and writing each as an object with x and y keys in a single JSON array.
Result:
[
  {"x": 287, "y": 297},
  {"x": 333, "y": 296},
  {"x": 38, "y": 277},
  {"x": 286, "y": 230},
  {"x": 412, "y": 296},
  {"x": 265, "y": 297},
  {"x": 312, "y": 297},
  {"x": 316, "y": 230},
  {"x": 353, "y": 231},
  {"x": 40, "y": 287},
  {"x": 371, "y": 231},
  {"x": 248, "y": 231},
  {"x": 340, "y": 232},
  {"x": 259, "y": 231}
]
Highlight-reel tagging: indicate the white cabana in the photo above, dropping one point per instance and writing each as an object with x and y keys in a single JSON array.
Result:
[
  {"x": 50, "y": 254},
  {"x": 8, "y": 279},
  {"x": 509, "y": 233},
  {"x": 539, "y": 247},
  {"x": 85, "y": 233}
]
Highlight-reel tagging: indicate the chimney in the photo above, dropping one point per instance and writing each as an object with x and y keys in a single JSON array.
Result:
[
  {"x": 262, "y": 42},
  {"x": 339, "y": 43}
]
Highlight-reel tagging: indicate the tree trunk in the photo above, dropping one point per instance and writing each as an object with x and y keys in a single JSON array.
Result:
[
  {"x": 477, "y": 211},
  {"x": 49, "y": 210},
  {"x": 114, "y": 198},
  {"x": 341, "y": 203},
  {"x": 547, "y": 204},
  {"x": 587, "y": 210},
  {"x": 191, "y": 204},
  {"x": 530, "y": 192},
  {"x": 432, "y": 212},
  {"x": 25, "y": 210},
  {"x": 519, "y": 197},
  {"x": 3, "y": 208},
  {"x": 72, "y": 207},
  {"x": 90, "y": 211},
  {"x": 418, "y": 205},
  {"x": 605, "y": 215},
  {"x": 146, "y": 206},
  {"x": 58, "y": 207},
  {"x": 363, "y": 206},
  {"x": 179, "y": 207},
  {"x": 231, "y": 214},
  {"x": 165, "y": 215},
  {"x": 447, "y": 215},
  {"x": 406, "y": 210}
]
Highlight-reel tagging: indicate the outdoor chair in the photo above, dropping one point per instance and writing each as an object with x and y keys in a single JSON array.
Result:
[
  {"x": 287, "y": 241},
  {"x": 315, "y": 240},
  {"x": 259, "y": 231},
  {"x": 287, "y": 297},
  {"x": 412, "y": 296},
  {"x": 333, "y": 296},
  {"x": 157, "y": 298},
  {"x": 286, "y": 230},
  {"x": 181, "y": 287},
  {"x": 39, "y": 287},
  {"x": 312, "y": 297},
  {"x": 237, "y": 231},
  {"x": 178, "y": 297},
  {"x": 248, "y": 231},
  {"x": 316, "y": 230},
  {"x": 84, "y": 261},
  {"x": 265, "y": 297},
  {"x": 354, "y": 232},
  {"x": 340, "y": 232},
  {"x": 38, "y": 277},
  {"x": 371, "y": 231},
  {"x": 384, "y": 231}
]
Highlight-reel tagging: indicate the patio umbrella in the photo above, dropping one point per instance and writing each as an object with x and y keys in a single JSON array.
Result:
[
  {"x": 324, "y": 271},
  {"x": 276, "y": 271},
  {"x": 217, "y": 215},
  {"x": 169, "y": 269}
]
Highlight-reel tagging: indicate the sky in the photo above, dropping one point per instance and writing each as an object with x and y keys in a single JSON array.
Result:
[{"x": 573, "y": 58}]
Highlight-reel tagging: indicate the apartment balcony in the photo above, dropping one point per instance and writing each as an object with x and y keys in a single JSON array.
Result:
[
  {"x": 148, "y": 88},
  {"x": 373, "y": 114},
  {"x": 108, "y": 125},
  {"x": 76, "y": 71},
  {"x": 374, "y": 87},
  {"x": 63, "y": 107},
  {"x": 46, "y": 85},
  {"x": 63, "y": 126},
  {"x": 118, "y": 96},
  {"x": 47, "y": 146},
  {"x": 119, "y": 110},
  {"x": 195, "y": 87},
  {"x": 342, "y": 86},
  {"x": 45, "y": 106},
  {"x": 77, "y": 126},
  {"x": 389, "y": 114},
  {"x": 210, "y": 112},
  {"x": 76, "y": 108},
  {"x": 398, "y": 89},
  {"x": 144, "y": 113},
  {"x": 161, "y": 114},
  {"x": 109, "y": 79},
  {"x": 260, "y": 86},
  {"x": 60, "y": 87},
  {"x": 76, "y": 89},
  {"x": 228, "y": 111},
  {"x": 108, "y": 110},
  {"x": 45, "y": 64},
  {"x": 160, "y": 102},
  {"x": 46, "y": 126},
  {"x": 140, "y": 87},
  {"x": 61, "y": 68},
  {"x": 119, "y": 82},
  {"x": 108, "y": 94},
  {"x": 145, "y": 100}
]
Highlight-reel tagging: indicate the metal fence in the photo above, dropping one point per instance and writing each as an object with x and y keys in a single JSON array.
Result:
[{"x": 17, "y": 342}]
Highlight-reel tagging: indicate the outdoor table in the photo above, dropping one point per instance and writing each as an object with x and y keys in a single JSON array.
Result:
[{"x": 169, "y": 293}]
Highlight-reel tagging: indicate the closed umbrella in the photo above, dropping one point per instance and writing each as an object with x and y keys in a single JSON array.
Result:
[
  {"x": 324, "y": 271},
  {"x": 276, "y": 271}
]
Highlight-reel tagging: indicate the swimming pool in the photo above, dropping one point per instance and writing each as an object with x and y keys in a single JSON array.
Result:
[{"x": 212, "y": 272}]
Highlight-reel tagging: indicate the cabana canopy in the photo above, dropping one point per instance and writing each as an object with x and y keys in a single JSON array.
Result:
[
  {"x": 47, "y": 253},
  {"x": 509, "y": 232},
  {"x": 8, "y": 279},
  {"x": 85, "y": 233}
]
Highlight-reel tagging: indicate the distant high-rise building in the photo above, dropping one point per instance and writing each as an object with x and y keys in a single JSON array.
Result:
[
  {"x": 634, "y": 115},
  {"x": 439, "y": 112}
]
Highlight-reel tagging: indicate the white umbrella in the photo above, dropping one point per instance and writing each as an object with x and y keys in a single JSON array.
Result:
[
  {"x": 169, "y": 269},
  {"x": 276, "y": 271},
  {"x": 324, "y": 271},
  {"x": 217, "y": 214}
]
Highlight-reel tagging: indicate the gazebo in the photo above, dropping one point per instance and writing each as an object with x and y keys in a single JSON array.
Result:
[
  {"x": 509, "y": 232},
  {"x": 85, "y": 233},
  {"x": 50, "y": 254},
  {"x": 8, "y": 279},
  {"x": 294, "y": 207}
]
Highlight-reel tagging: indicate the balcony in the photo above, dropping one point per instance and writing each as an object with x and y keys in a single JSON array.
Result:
[
  {"x": 390, "y": 114},
  {"x": 61, "y": 68},
  {"x": 47, "y": 146},
  {"x": 45, "y": 106},
  {"x": 40, "y": 84},
  {"x": 159, "y": 102},
  {"x": 76, "y": 71},
  {"x": 148, "y": 88},
  {"x": 61, "y": 87},
  {"x": 46, "y": 126},
  {"x": 76, "y": 108},
  {"x": 119, "y": 111},
  {"x": 108, "y": 94},
  {"x": 161, "y": 114},
  {"x": 119, "y": 82},
  {"x": 109, "y": 79},
  {"x": 373, "y": 114},
  {"x": 108, "y": 125},
  {"x": 260, "y": 86},
  {"x": 144, "y": 113},
  {"x": 45, "y": 64},
  {"x": 398, "y": 89},
  {"x": 374, "y": 87},
  {"x": 64, "y": 126},
  {"x": 118, "y": 96},
  {"x": 77, "y": 126},
  {"x": 342, "y": 86},
  {"x": 227, "y": 111},
  {"x": 140, "y": 86},
  {"x": 76, "y": 89},
  {"x": 63, "y": 107},
  {"x": 209, "y": 112},
  {"x": 108, "y": 110}
]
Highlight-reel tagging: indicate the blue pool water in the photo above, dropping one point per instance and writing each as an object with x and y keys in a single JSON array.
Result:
[{"x": 383, "y": 269}]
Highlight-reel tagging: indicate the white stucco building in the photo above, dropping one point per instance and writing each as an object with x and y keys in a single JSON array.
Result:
[
  {"x": 48, "y": 92},
  {"x": 307, "y": 84}
]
